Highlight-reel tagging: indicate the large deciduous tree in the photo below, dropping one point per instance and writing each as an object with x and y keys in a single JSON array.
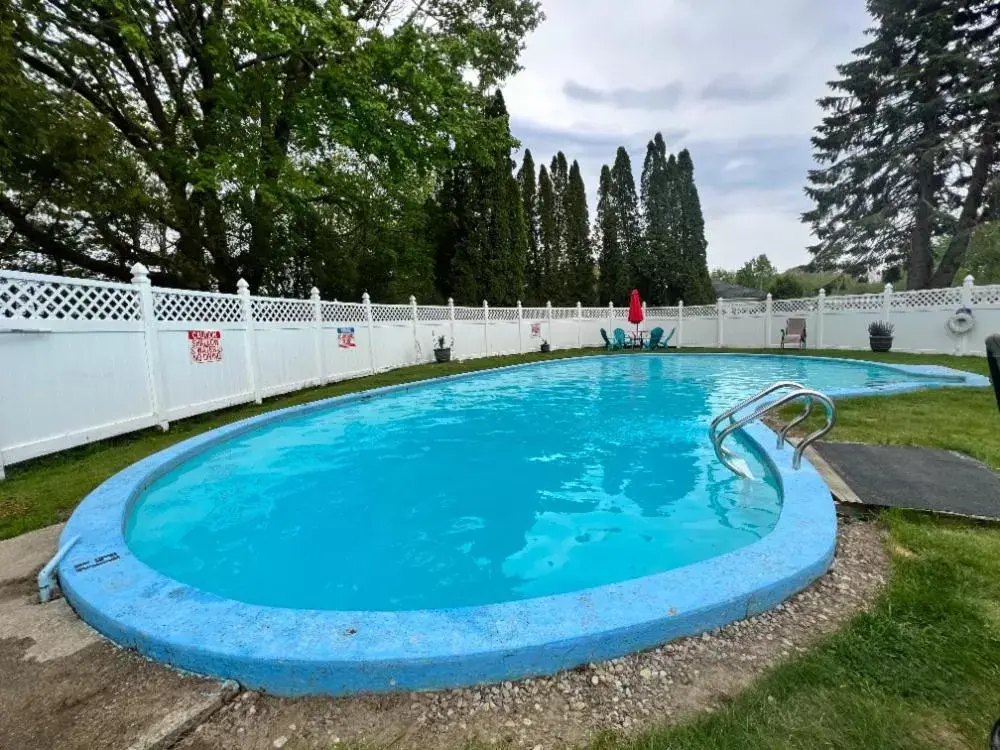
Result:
[
  {"x": 908, "y": 144},
  {"x": 199, "y": 137}
]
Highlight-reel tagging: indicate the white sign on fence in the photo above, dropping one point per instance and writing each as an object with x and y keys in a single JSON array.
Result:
[{"x": 206, "y": 346}]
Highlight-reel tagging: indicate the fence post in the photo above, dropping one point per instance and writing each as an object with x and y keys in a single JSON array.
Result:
[
  {"x": 318, "y": 334},
  {"x": 611, "y": 319},
  {"x": 966, "y": 302},
  {"x": 143, "y": 287},
  {"x": 520, "y": 328},
  {"x": 886, "y": 302},
  {"x": 820, "y": 312},
  {"x": 719, "y": 337},
  {"x": 486, "y": 326},
  {"x": 366, "y": 300},
  {"x": 680, "y": 323},
  {"x": 548, "y": 316},
  {"x": 416, "y": 334},
  {"x": 768, "y": 321},
  {"x": 579, "y": 324},
  {"x": 451, "y": 320},
  {"x": 243, "y": 290}
]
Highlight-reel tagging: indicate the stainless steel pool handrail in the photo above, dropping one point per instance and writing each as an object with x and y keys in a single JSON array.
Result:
[
  {"x": 731, "y": 412},
  {"x": 725, "y": 457}
]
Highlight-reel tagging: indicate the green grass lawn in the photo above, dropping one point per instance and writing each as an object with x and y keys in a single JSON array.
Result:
[{"x": 921, "y": 670}]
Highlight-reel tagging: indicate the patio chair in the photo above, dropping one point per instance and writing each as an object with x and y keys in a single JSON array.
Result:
[
  {"x": 665, "y": 343},
  {"x": 654, "y": 339},
  {"x": 794, "y": 333},
  {"x": 621, "y": 340},
  {"x": 608, "y": 343}
]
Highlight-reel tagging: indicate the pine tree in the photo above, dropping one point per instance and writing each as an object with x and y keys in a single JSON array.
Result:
[
  {"x": 696, "y": 284},
  {"x": 579, "y": 254},
  {"x": 658, "y": 273},
  {"x": 613, "y": 282},
  {"x": 550, "y": 240},
  {"x": 490, "y": 265},
  {"x": 628, "y": 220},
  {"x": 559, "y": 171},
  {"x": 909, "y": 141},
  {"x": 528, "y": 182}
]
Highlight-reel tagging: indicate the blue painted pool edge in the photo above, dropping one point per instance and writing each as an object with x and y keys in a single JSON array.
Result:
[{"x": 299, "y": 652}]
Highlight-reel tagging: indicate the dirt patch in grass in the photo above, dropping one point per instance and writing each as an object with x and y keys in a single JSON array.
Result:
[{"x": 664, "y": 685}]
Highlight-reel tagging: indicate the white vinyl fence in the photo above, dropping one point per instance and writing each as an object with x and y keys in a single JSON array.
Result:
[{"x": 85, "y": 360}]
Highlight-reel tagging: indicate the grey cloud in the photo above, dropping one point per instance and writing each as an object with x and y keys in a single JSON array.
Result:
[
  {"x": 667, "y": 96},
  {"x": 734, "y": 88}
]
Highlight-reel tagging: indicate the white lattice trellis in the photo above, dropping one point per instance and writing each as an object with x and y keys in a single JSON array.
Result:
[
  {"x": 784, "y": 306},
  {"x": 563, "y": 313},
  {"x": 468, "y": 313},
  {"x": 742, "y": 309},
  {"x": 701, "y": 311},
  {"x": 853, "y": 303},
  {"x": 595, "y": 313},
  {"x": 503, "y": 314},
  {"x": 27, "y": 299},
  {"x": 621, "y": 313},
  {"x": 986, "y": 296},
  {"x": 392, "y": 313},
  {"x": 343, "y": 312},
  {"x": 661, "y": 313},
  {"x": 172, "y": 306},
  {"x": 277, "y": 310},
  {"x": 927, "y": 298},
  {"x": 535, "y": 313},
  {"x": 432, "y": 313}
]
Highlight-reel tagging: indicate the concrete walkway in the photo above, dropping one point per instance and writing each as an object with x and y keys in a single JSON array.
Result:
[{"x": 64, "y": 687}]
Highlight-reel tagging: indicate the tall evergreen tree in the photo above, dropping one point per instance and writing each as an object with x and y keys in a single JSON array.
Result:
[
  {"x": 696, "y": 283},
  {"x": 613, "y": 280},
  {"x": 580, "y": 281},
  {"x": 490, "y": 265},
  {"x": 551, "y": 286},
  {"x": 528, "y": 182},
  {"x": 909, "y": 141},
  {"x": 658, "y": 273},
  {"x": 628, "y": 219},
  {"x": 559, "y": 172}
]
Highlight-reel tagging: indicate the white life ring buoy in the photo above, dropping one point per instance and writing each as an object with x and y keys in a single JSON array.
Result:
[{"x": 962, "y": 322}]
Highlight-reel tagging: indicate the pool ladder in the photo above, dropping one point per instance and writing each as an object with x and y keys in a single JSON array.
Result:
[{"x": 797, "y": 392}]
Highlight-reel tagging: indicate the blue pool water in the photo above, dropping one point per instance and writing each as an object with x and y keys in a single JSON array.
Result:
[{"x": 508, "y": 485}]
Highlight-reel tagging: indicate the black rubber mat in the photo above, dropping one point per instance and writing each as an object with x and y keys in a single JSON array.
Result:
[{"x": 917, "y": 478}]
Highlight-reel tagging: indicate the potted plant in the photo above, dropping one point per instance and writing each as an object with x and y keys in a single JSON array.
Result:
[
  {"x": 880, "y": 335},
  {"x": 442, "y": 353},
  {"x": 545, "y": 346}
]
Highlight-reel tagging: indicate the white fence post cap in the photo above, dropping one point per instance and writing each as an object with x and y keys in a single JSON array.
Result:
[
  {"x": 242, "y": 286},
  {"x": 365, "y": 297},
  {"x": 139, "y": 272},
  {"x": 888, "y": 287},
  {"x": 314, "y": 294},
  {"x": 969, "y": 280}
]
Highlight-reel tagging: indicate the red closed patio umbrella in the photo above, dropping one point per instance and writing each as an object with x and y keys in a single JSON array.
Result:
[{"x": 635, "y": 311}]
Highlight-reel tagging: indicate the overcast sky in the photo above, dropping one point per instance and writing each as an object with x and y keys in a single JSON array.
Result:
[{"x": 734, "y": 82}]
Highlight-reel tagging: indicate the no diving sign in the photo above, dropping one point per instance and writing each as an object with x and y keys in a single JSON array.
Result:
[{"x": 206, "y": 346}]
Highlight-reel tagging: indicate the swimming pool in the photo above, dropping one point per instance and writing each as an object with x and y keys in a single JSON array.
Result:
[{"x": 486, "y": 526}]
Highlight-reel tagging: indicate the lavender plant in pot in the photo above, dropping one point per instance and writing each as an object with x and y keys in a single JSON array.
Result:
[
  {"x": 442, "y": 353},
  {"x": 880, "y": 335}
]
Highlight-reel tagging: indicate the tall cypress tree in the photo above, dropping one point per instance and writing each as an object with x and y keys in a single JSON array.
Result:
[
  {"x": 550, "y": 240},
  {"x": 696, "y": 282},
  {"x": 657, "y": 273},
  {"x": 560, "y": 188},
  {"x": 580, "y": 280},
  {"x": 528, "y": 182},
  {"x": 628, "y": 220},
  {"x": 613, "y": 284}
]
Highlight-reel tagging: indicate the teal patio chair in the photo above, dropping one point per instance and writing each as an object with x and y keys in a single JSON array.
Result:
[
  {"x": 621, "y": 340},
  {"x": 608, "y": 343},
  {"x": 665, "y": 343},
  {"x": 654, "y": 339}
]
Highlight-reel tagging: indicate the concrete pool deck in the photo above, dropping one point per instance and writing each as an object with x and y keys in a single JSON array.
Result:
[{"x": 299, "y": 652}]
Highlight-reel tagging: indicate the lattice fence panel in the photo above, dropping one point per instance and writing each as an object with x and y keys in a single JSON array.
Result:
[
  {"x": 621, "y": 313},
  {"x": 596, "y": 313},
  {"x": 343, "y": 312},
  {"x": 468, "y": 313},
  {"x": 180, "y": 307},
  {"x": 392, "y": 313},
  {"x": 985, "y": 296},
  {"x": 277, "y": 310},
  {"x": 51, "y": 300},
  {"x": 432, "y": 313},
  {"x": 563, "y": 313},
  {"x": 784, "y": 306},
  {"x": 701, "y": 311},
  {"x": 927, "y": 298},
  {"x": 663, "y": 313},
  {"x": 535, "y": 313},
  {"x": 502, "y": 314},
  {"x": 853, "y": 303},
  {"x": 744, "y": 309}
]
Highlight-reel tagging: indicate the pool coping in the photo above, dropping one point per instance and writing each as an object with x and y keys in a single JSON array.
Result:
[{"x": 303, "y": 652}]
